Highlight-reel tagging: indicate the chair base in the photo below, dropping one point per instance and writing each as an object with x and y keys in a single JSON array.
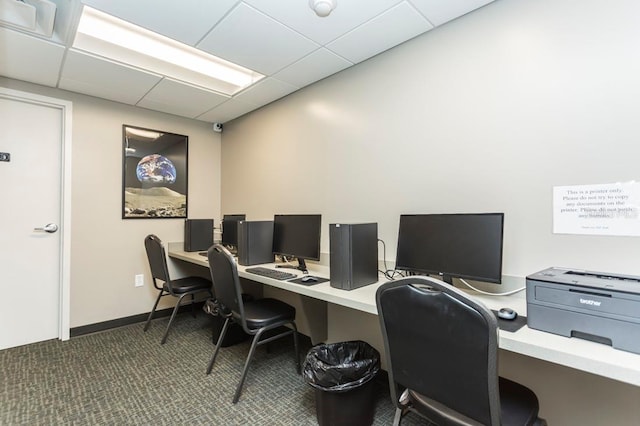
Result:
[
  {"x": 263, "y": 336},
  {"x": 175, "y": 310}
]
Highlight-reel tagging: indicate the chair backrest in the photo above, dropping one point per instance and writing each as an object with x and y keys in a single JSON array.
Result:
[
  {"x": 157, "y": 260},
  {"x": 226, "y": 283},
  {"x": 441, "y": 344}
]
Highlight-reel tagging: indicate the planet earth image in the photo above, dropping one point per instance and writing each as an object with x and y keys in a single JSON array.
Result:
[{"x": 155, "y": 168}]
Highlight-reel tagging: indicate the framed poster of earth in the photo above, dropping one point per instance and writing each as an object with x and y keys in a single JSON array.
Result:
[{"x": 154, "y": 178}]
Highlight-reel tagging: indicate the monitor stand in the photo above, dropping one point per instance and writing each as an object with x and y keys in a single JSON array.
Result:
[
  {"x": 302, "y": 266},
  {"x": 447, "y": 279}
]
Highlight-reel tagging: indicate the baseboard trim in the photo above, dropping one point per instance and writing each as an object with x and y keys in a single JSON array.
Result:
[{"x": 133, "y": 319}]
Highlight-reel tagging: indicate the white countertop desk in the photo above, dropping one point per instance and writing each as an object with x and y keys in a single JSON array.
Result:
[{"x": 580, "y": 354}]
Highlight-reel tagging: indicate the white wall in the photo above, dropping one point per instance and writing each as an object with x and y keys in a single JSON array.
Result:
[
  {"x": 487, "y": 113},
  {"x": 107, "y": 251}
]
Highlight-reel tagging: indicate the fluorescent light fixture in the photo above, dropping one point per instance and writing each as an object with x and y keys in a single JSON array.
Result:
[
  {"x": 147, "y": 134},
  {"x": 112, "y": 38}
]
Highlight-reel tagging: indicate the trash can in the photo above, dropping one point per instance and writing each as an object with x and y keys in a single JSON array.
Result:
[{"x": 342, "y": 374}]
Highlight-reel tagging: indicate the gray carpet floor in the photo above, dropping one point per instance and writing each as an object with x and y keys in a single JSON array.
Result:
[{"x": 125, "y": 377}]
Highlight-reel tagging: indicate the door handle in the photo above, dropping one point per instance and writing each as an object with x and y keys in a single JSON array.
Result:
[{"x": 49, "y": 227}]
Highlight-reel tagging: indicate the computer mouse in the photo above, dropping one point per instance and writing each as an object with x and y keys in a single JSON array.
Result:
[
  {"x": 307, "y": 278},
  {"x": 507, "y": 314}
]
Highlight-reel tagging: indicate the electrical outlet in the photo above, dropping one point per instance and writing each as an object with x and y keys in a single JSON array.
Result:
[{"x": 139, "y": 280}]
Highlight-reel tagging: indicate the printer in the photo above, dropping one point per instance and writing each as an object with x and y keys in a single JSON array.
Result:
[{"x": 597, "y": 306}]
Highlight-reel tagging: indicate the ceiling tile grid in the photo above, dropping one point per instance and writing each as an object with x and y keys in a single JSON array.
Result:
[
  {"x": 267, "y": 48},
  {"x": 227, "y": 111},
  {"x": 41, "y": 65},
  {"x": 266, "y": 91},
  {"x": 348, "y": 15},
  {"x": 178, "y": 98},
  {"x": 94, "y": 76},
  {"x": 441, "y": 11},
  {"x": 284, "y": 40},
  {"x": 383, "y": 32},
  {"x": 313, "y": 67}
]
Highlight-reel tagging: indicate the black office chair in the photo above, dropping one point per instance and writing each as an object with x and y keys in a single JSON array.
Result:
[
  {"x": 180, "y": 288},
  {"x": 442, "y": 357},
  {"x": 257, "y": 317}
]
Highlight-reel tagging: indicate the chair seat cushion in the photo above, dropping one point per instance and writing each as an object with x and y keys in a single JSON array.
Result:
[
  {"x": 518, "y": 404},
  {"x": 264, "y": 312},
  {"x": 188, "y": 285}
]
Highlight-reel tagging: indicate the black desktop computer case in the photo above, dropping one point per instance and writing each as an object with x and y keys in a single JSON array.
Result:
[
  {"x": 198, "y": 234},
  {"x": 255, "y": 242},
  {"x": 353, "y": 257}
]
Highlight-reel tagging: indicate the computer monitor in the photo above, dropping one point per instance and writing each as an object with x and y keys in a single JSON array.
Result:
[
  {"x": 230, "y": 229},
  {"x": 452, "y": 245},
  {"x": 297, "y": 235}
]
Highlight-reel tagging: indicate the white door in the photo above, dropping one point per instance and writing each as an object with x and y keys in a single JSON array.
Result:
[{"x": 31, "y": 152}]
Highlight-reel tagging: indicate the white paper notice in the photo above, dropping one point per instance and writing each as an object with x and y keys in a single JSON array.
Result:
[{"x": 609, "y": 209}]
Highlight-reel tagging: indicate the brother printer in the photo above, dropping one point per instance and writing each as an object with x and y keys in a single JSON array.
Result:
[{"x": 597, "y": 306}]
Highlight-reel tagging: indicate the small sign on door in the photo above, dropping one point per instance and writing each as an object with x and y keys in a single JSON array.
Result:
[{"x": 5, "y": 156}]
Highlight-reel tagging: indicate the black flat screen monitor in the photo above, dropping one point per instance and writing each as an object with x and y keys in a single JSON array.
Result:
[
  {"x": 297, "y": 235},
  {"x": 230, "y": 229},
  {"x": 452, "y": 245}
]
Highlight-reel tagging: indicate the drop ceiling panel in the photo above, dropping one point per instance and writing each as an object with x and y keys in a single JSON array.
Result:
[
  {"x": 229, "y": 110},
  {"x": 84, "y": 73},
  {"x": 266, "y": 91},
  {"x": 391, "y": 28},
  {"x": 186, "y": 20},
  {"x": 346, "y": 16},
  {"x": 252, "y": 39},
  {"x": 316, "y": 66},
  {"x": 29, "y": 58},
  {"x": 440, "y": 11},
  {"x": 179, "y": 98},
  {"x": 282, "y": 39}
]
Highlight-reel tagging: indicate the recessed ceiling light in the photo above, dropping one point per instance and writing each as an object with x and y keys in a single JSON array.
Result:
[{"x": 112, "y": 38}]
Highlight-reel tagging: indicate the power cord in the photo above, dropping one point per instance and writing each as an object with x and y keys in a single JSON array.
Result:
[
  {"x": 507, "y": 293},
  {"x": 286, "y": 260},
  {"x": 388, "y": 273}
]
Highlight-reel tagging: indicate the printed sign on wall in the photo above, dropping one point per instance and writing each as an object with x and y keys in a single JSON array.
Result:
[{"x": 608, "y": 209}]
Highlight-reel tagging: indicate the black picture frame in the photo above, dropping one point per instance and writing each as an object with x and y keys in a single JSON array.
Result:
[{"x": 154, "y": 174}]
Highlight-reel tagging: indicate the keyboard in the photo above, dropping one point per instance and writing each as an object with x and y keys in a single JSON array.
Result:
[{"x": 271, "y": 273}]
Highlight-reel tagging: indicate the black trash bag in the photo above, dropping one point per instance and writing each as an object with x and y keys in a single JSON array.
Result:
[
  {"x": 211, "y": 307},
  {"x": 342, "y": 366}
]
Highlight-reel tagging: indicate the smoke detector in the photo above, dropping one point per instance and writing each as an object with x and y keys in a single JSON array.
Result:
[{"x": 323, "y": 7}]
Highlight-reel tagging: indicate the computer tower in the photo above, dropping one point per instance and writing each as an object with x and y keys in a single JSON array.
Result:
[
  {"x": 198, "y": 234},
  {"x": 353, "y": 259},
  {"x": 255, "y": 242},
  {"x": 230, "y": 230}
]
